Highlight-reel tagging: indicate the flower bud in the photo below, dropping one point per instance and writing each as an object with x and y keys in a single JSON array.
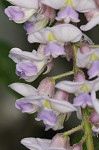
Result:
[
  {"x": 94, "y": 117},
  {"x": 76, "y": 147},
  {"x": 84, "y": 48},
  {"x": 46, "y": 87},
  {"x": 61, "y": 95},
  {"x": 49, "y": 12},
  {"x": 79, "y": 76},
  {"x": 59, "y": 141}
]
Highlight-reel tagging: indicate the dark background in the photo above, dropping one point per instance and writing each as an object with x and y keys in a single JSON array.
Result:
[{"x": 13, "y": 124}]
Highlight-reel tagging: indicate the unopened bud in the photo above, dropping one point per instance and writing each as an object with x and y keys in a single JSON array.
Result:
[
  {"x": 49, "y": 12},
  {"x": 79, "y": 76},
  {"x": 61, "y": 95},
  {"x": 94, "y": 117},
  {"x": 46, "y": 87},
  {"x": 84, "y": 48},
  {"x": 60, "y": 142},
  {"x": 76, "y": 147}
]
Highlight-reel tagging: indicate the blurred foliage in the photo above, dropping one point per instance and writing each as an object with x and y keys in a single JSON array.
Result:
[
  {"x": 5, "y": 3},
  {"x": 7, "y": 67}
]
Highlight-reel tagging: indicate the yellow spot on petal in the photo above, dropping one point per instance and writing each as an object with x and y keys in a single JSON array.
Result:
[
  {"x": 93, "y": 57},
  {"x": 47, "y": 104},
  {"x": 68, "y": 2},
  {"x": 84, "y": 88},
  {"x": 51, "y": 37}
]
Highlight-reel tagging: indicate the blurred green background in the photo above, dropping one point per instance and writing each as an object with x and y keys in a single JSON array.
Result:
[{"x": 13, "y": 124}]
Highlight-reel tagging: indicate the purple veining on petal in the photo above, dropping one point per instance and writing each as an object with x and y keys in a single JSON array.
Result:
[
  {"x": 54, "y": 49},
  {"x": 24, "y": 106},
  {"x": 14, "y": 13},
  {"x": 26, "y": 69},
  {"x": 28, "y": 26},
  {"x": 47, "y": 116},
  {"x": 83, "y": 99},
  {"x": 94, "y": 69}
]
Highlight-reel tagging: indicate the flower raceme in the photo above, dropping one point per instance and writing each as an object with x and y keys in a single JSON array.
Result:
[{"x": 53, "y": 24}]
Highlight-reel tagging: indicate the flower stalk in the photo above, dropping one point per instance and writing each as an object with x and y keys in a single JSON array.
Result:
[
  {"x": 87, "y": 130},
  {"x": 63, "y": 75},
  {"x": 73, "y": 130}
]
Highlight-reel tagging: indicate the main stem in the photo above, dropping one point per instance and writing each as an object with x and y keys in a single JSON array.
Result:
[
  {"x": 87, "y": 130},
  {"x": 74, "y": 58}
]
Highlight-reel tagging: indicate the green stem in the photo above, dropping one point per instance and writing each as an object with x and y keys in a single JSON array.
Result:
[
  {"x": 62, "y": 75},
  {"x": 87, "y": 130},
  {"x": 83, "y": 140},
  {"x": 73, "y": 130},
  {"x": 74, "y": 58}
]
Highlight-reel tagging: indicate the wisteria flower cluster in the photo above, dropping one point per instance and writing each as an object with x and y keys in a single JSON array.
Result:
[{"x": 53, "y": 24}]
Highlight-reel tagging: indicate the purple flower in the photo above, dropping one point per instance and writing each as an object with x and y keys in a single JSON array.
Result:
[
  {"x": 26, "y": 69},
  {"x": 68, "y": 14},
  {"x": 29, "y": 65},
  {"x": 54, "y": 49},
  {"x": 25, "y": 107},
  {"x": 83, "y": 100},
  {"x": 28, "y": 26},
  {"x": 94, "y": 69},
  {"x": 14, "y": 13},
  {"x": 47, "y": 116}
]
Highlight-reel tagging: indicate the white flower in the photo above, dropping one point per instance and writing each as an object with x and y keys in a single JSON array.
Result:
[
  {"x": 22, "y": 11},
  {"x": 58, "y": 142},
  {"x": 78, "y": 87},
  {"x": 69, "y": 33}
]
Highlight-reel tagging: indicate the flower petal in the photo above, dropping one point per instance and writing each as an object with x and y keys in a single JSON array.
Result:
[
  {"x": 62, "y": 106},
  {"x": 23, "y": 89},
  {"x": 92, "y": 23},
  {"x": 25, "y": 4},
  {"x": 35, "y": 143},
  {"x": 95, "y": 101}
]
